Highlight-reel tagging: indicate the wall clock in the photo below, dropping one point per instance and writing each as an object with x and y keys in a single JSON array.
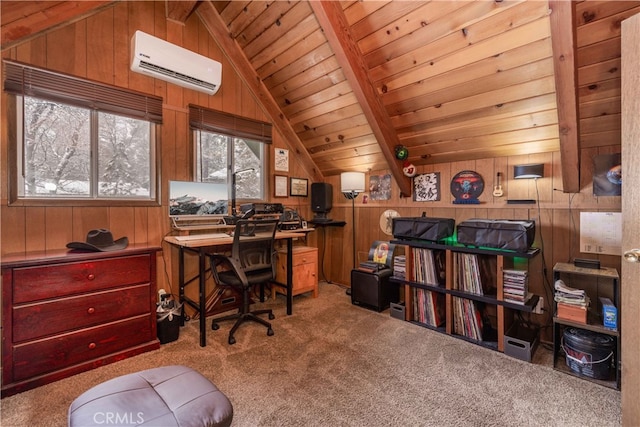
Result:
[{"x": 386, "y": 221}]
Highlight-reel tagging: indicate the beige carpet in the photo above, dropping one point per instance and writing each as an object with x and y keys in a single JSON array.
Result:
[{"x": 334, "y": 364}]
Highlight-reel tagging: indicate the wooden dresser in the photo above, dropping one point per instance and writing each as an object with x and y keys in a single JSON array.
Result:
[
  {"x": 65, "y": 313},
  {"x": 305, "y": 271}
]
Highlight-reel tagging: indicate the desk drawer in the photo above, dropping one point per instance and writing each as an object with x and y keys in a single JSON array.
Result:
[
  {"x": 44, "y": 282},
  {"x": 40, "y": 319},
  {"x": 61, "y": 351}
]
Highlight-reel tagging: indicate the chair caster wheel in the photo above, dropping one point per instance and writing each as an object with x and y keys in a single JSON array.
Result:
[
  {"x": 215, "y": 326},
  {"x": 232, "y": 340},
  {"x": 272, "y": 316},
  {"x": 269, "y": 332}
]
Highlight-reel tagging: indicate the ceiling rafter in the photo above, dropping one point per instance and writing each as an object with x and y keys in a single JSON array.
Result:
[
  {"x": 338, "y": 32},
  {"x": 179, "y": 11},
  {"x": 216, "y": 27},
  {"x": 564, "y": 48}
]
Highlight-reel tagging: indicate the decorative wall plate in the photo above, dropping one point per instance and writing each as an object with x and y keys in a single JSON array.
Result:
[
  {"x": 386, "y": 221},
  {"x": 466, "y": 187}
]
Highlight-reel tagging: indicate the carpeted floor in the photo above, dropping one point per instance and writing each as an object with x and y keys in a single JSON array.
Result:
[{"x": 334, "y": 364}]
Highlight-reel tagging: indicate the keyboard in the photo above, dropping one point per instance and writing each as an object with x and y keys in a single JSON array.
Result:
[{"x": 209, "y": 236}]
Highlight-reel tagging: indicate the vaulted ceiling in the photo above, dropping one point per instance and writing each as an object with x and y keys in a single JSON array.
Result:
[{"x": 346, "y": 82}]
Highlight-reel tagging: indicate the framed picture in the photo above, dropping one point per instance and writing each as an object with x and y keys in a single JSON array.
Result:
[
  {"x": 426, "y": 187},
  {"x": 380, "y": 187},
  {"x": 281, "y": 159},
  {"x": 299, "y": 187},
  {"x": 280, "y": 188},
  {"x": 607, "y": 175}
]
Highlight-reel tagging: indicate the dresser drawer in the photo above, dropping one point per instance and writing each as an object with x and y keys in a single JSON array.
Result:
[
  {"x": 40, "y": 319},
  {"x": 56, "y": 280},
  {"x": 61, "y": 351}
]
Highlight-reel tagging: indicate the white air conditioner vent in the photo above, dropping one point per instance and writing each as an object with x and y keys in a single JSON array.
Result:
[{"x": 160, "y": 59}]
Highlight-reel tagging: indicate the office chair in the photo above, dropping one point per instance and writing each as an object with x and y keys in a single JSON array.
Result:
[{"x": 252, "y": 262}]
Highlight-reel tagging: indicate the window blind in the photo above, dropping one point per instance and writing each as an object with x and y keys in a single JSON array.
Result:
[
  {"x": 229, "y": 124},
  {"x": 27, "y": 80}
]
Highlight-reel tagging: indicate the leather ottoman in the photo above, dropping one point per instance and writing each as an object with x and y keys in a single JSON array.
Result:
[{"x": 166, "y": 396}]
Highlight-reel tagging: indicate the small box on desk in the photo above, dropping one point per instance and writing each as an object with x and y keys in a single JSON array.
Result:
[
  {"x": 609, "y": 314},
  {"x": 575, "y": 313}
]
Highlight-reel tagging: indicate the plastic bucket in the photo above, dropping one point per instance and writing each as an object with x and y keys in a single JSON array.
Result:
[{"x": 589, "y": 353}]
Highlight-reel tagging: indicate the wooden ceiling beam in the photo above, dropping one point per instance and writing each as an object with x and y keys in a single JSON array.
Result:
[
  {"x": 216, "y": 27},
  {"x": 178, "y": 10},
  {"x": 53, "y": 15},
  {"x": 564, "y": 58},
  {"x": 338, "y": 32}
]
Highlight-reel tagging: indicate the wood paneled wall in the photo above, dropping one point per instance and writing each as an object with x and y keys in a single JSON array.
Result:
[
  {"x": 97, "y": 48},
  {"x": 557, "y": 215}
]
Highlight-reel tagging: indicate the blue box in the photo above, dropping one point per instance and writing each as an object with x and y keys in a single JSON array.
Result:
[{"x": 609, "y": 314}]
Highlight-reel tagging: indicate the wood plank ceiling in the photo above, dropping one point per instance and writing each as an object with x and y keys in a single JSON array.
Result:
[{"x": 450, "y": 80}]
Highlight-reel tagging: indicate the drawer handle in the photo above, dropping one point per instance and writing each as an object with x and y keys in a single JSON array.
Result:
[
  {"x": 91, "y": 276},
  {"x": 91, "y": 310},
  {"x": 92, "y": 346}
]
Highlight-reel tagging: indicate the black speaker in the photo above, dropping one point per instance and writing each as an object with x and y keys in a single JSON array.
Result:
[{"x": 321, "y": 197}]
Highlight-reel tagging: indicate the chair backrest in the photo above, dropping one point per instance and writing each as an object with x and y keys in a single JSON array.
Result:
[{"x": 254, "y": 244}]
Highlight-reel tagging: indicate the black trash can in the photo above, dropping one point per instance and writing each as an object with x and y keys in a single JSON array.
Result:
[{"x": 169, "y": 318}]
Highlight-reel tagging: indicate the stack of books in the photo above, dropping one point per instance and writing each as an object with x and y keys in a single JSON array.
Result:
[
  {"x": 516, "y": 286},
  {"x": 571, "y": 303},
  {"x": 400, "y": 267}
]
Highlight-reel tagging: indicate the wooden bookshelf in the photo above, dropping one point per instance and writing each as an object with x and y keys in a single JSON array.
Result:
[{"x": 464, "y": 283}]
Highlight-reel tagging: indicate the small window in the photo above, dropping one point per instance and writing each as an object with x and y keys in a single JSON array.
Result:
[
  {"x": 80, "y": 141},
  {"x": 227, "y": 145}
]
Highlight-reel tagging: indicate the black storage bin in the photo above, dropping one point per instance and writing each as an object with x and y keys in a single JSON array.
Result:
[
  {"x": 169, "y": 318},
  {"x": 589, "y": 353},
  {"x": 373, "y": 290},
  {"x": 509, "y": 234},
  {"x": 423, "y": 228}
]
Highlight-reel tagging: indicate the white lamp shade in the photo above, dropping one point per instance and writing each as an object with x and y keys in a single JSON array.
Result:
[{"x": 352, "y": 182}]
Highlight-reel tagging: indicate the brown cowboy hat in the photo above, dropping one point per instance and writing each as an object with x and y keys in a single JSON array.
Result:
[{"x": 100, "y": 240}]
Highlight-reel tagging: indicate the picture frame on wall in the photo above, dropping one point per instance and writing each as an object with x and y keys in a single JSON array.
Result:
[
  {"x": 299, "y": 187},
  {"x": 426, "y": 187},
  {"x": 280, "y": 186},
  {"x": 380, "y": 187},
  {"x": 281, "y": 160}
]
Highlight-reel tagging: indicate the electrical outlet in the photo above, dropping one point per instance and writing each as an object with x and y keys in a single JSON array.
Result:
[{"x": 539, "y": 308}]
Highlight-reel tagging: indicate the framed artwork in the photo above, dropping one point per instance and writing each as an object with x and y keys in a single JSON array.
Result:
[
  {"x": 380, "y": 187},
  {"x": 466, "y": 187},
  {"x": 426, "y": 187},
  {"x": 280, "y": 187},
  {"x": 299, "y": 187},
  {"x": 281, "y": 159},
  {"x": 607, "y": 175}
]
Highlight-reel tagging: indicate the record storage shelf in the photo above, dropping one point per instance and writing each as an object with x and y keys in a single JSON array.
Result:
[{"x": 502, "y": 312}]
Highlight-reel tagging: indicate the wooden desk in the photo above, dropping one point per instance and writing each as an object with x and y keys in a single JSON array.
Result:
[{"x": 206, "y": 246}]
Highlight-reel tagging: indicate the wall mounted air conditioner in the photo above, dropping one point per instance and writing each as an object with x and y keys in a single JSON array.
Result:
[{"x": 160, "y": 59}]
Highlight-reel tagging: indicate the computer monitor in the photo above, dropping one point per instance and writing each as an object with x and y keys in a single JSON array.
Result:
[{"x": 189, "y": 199}]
